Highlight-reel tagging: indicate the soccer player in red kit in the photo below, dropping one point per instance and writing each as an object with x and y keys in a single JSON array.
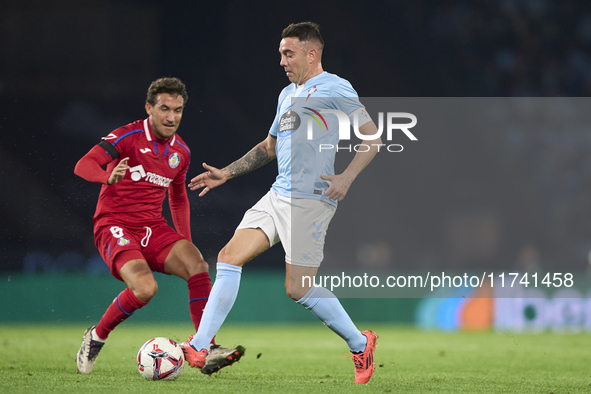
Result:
[{"x": 144, "y": 159}]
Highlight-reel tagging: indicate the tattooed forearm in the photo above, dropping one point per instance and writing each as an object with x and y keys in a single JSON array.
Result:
[{"x": 257, "y": 157}]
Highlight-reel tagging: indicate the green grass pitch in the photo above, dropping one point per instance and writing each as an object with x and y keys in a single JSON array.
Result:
[{"x": 304, "y": 358}]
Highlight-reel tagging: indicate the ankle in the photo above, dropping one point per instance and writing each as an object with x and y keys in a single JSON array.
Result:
[{"x": 94, "y": 336}]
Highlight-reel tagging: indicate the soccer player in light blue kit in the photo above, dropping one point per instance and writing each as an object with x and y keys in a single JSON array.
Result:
[{"x": 301, "y": 202}]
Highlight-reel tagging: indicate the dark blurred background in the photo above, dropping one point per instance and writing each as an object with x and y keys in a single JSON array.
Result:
[{"x": 72, "y": 71}]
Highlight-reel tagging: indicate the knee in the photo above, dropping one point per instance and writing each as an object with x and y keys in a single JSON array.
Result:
[
  {"x": 292, "y": 296},
  {"x": 288, "y": 292},
  {"x": 227, "y": 257},
  {"x": 190, "y": 264},
  {"x": 146, "y": 290},
  {"x": 295, "y": 294},
  {"x": 200, "y": 265}
]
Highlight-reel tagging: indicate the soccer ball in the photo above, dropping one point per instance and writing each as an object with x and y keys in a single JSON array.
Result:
[{"x": 160, "y": 359}]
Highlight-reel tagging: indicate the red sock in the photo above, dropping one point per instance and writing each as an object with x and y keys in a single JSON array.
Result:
[
  {"x": 199, "y": 289},
  {"x": 120, "y": 309}
]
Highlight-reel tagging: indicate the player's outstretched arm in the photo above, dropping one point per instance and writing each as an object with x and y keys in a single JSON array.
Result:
[
  {"x": 257, "y": 157},
  {"x": 90, "y": 166},
  {"x": 340, "y": 184},
  {"x": 212, "y": 177}
]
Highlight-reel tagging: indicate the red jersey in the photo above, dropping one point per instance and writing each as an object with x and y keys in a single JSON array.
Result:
[{"x": 136, "y": 200}]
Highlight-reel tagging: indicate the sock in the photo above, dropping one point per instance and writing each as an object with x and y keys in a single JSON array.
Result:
[
  {"x": 120, "y": 309},
  {"x": 326, "y": 307},
  {"x": 94, "y": 336},
  {"x": 221, "y": 299},
  {"x": 199, "y": 289}
]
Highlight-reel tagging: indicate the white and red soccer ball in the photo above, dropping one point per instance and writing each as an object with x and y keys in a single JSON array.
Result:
[{"x": 160, "y": 359}]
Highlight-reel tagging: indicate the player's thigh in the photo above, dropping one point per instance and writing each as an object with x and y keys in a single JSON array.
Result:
[
  {"x": 166, "y": 245},
  {"x": 298, "y": 280},
  {"x": 185, "y": 260},
  {"x": 302, "y": 225},
  {"x": 117, "y": 245},
  {"x": 245, "y": 245},
  {"x": 138, "y": 276}
]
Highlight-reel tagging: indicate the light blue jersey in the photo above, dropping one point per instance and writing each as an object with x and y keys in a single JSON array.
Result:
[{"x": 300, "y": 128}]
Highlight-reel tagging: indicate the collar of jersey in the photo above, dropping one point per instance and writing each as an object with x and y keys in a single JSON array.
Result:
[
  {"x": 150, "y": 137},
  {"x": 307, "y": 83}
]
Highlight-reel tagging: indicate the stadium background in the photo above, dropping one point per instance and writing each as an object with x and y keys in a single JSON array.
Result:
[{"x": 72, "y": 71}]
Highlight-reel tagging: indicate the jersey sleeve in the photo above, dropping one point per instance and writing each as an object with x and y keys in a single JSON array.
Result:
[
  {"x": 179, "y": 202},
  {"x": 275, "y": 125},
  {"x": 110, "y": 148},
  {"x": 180, "y": 209},
  {"x": 347, "y": 101},
  {"x": 89, "y": 167},
  {"x": 116, "y": 143}
]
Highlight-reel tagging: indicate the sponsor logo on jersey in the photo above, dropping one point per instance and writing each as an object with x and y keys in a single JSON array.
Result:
[
  {"x": 110, "y": 137},
  {"x": 122, "y": 241},
  {"x": 288, "y": 123},
  {"x": 158, "y": 179},
  {"x": 138, "y": 173},
  {"x": 174, "y": 160},
  {"x": 145, "y": 150}
]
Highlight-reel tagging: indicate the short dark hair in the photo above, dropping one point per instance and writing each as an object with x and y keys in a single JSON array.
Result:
[
  {"x": 172, "y": 86},
  {"x": 304, "y": 31}
]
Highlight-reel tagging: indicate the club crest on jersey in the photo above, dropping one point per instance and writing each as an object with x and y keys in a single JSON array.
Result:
[
  {"x": 174, "y": 160},
  {"x": 122, "y": 241},
  {"x": 310, "y": 91}
]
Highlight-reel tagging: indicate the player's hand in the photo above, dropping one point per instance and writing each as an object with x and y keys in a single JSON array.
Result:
[
  {"x": 339, "y": 186},
  {"x": 209, "y": 179},
  {"x": 118, "y": 172}
]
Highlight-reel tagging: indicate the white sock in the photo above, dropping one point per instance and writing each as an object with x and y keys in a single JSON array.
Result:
[
  {"x": 95, "y": 337},
  {"x": 326, "y": 307},
  {"x": 220, "y": 302}
]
